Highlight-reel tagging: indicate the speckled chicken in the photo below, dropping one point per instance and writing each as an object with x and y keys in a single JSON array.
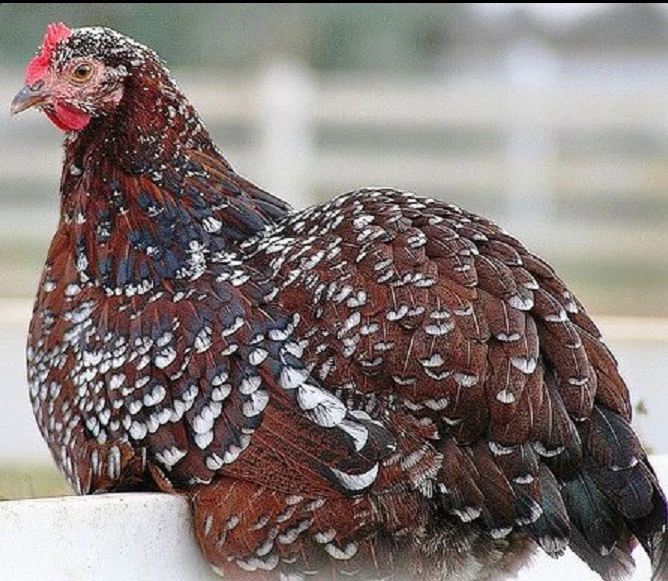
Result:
[{"x": 384, "y": 386}]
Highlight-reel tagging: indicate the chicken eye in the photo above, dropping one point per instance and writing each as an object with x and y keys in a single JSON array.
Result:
[{"x": 82, "y": 72}]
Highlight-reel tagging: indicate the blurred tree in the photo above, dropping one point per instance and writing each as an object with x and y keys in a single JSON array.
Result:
[{"x": 330, "y": 36}]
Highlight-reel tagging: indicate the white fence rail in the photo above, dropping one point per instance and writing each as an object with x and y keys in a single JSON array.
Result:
[
  {"x": 113, "y": 537},
  {"x": 124, "y": 537}
]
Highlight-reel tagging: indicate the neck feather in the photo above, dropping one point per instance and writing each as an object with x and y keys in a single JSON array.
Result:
[{"x": 147, "y": 199}]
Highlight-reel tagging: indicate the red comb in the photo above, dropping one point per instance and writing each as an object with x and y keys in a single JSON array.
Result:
[{"x": 36, "y": 67}]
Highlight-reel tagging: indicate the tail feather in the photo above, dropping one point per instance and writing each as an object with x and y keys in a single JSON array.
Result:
[
  {"x": 552, "y": 529},
  {"x": 651, "y": 531},
  {"x": 617, "y": 565},
  {"x": 592, "y": 514},
  {"x": 615, "y": 498},
  {"x": 660, "y": 557},
  {"x": 630, "y": 491}
]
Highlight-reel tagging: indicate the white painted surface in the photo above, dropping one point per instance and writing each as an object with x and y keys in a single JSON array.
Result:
[
  {"x": 111, "y": 537},
  {"x": 119, "y": 537}
]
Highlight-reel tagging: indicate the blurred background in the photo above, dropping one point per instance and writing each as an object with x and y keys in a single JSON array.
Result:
[{"x": 551, "y": 119}]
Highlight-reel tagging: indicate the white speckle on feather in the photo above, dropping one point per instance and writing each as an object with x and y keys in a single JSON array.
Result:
[
  {"x": 170, "y": 456},
  {"x": 356, "y": 431},
  {"x": 506, "y": 396},
  {"x": 356, "y": 482},
  {"x": 524, "y": 364},
  {"x": 341, "y": 554}
]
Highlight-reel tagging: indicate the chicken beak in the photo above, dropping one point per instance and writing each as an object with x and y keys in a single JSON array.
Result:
[{"x": 27, "y": 97}]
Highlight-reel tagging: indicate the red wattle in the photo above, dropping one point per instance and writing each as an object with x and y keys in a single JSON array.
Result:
[{"x": 67, "y": 118}]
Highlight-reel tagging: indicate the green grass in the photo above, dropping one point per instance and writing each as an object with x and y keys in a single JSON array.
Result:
[{"x": 31, "y": 481}]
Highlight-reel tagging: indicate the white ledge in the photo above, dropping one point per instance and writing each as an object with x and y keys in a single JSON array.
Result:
[
  {"x": 146, "y": 536},
  {"x": 110, "y": 537}
]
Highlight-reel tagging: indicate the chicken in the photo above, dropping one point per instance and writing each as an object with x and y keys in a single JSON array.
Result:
[{"x": 384, "y": 386}]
